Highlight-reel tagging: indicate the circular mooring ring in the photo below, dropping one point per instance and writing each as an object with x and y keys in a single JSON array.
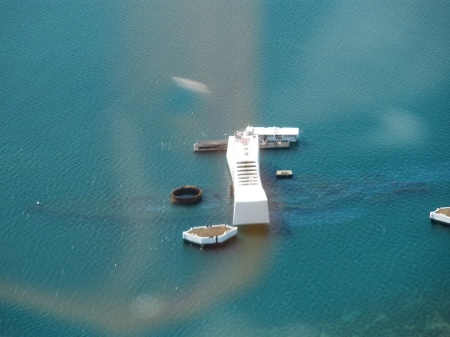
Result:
[{"x": 186, "y": 195}]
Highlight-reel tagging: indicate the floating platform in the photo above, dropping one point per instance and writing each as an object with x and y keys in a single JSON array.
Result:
[
  {"x": 441, "y": 215},
  {"x": 210, "y": 235},
  {"x": 221, "y": 145},
  {"x": 284, "y": 174}
]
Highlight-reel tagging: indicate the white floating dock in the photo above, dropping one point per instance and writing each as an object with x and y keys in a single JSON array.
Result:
[
  {"x": 210, "y": 234},
  {"x": 441, "y": 214}
]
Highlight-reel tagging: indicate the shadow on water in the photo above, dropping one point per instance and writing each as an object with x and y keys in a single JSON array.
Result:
[
  {"x": 254, "y": 230},
  {"x": 439, "y": 228},
  {"x": 180, "y": 100},
  {"x": 410, "y": 188}
]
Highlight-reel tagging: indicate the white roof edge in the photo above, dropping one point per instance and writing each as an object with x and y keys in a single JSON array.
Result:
[{"x": 259, "y": 130}]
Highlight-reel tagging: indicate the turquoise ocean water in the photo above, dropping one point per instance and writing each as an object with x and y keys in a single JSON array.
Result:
[{"x": 94, "y": 126}]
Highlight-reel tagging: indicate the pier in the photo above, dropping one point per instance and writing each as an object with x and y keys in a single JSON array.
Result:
[
  {"x": 211, "y": 145},
  {"x": 221, "y": 145}
]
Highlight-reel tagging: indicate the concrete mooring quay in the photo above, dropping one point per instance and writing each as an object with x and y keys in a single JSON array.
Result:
[
  {"x": 211, "y": 145},
  {"x": 210, "y": 235},
  {"x": 221, "y": 145}
]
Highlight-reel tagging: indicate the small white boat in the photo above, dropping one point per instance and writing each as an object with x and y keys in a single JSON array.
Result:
[
  {"x": 441, "y": 214},
  {"x": 210, "y": 235}
]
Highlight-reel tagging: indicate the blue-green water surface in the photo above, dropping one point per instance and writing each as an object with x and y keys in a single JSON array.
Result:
[{"x": 97, "y": 127}]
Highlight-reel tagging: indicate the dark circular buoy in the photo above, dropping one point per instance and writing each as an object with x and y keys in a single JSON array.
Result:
[{"x": 186, "y": 195}]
